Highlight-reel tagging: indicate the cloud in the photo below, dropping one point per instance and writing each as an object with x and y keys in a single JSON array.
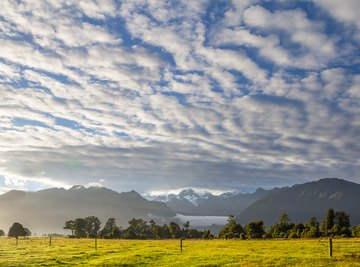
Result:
[
  {"x": 153, "y": 95},
  {"x": 346, "y": 11},
  {"x": 24, "y": 54},
  {"x": 98, "y": 9},
  {"x": 84, "y": 35},
  {"x": 309, "y": 34}
]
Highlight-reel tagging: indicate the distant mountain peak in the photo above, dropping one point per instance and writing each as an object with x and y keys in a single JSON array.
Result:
[
  {"x": 76, "y": 187},
  {"x": 13, "y": 194},
  {"x": 188, "y": 191},
  {"x": 134, "y": 193},
  {"x": 187, "y": 194}
]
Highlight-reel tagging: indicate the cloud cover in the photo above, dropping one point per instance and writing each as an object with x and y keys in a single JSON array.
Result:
[{"x": 159, "y": 95}]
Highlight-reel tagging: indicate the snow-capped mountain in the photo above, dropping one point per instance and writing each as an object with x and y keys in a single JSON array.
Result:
[
  {"x": 191, "y": 202},
  {"x": 189, "y": 195},
  {"x": 194, "y": 197}
]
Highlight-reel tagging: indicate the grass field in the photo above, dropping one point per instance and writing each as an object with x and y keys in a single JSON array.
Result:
[{"x": 81, "y": 252}]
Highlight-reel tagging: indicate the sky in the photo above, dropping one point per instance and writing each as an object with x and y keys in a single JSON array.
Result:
[{"x": 157, "y": 96}]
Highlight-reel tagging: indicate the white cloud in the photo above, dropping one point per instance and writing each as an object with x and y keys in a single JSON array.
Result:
[
  {"x": 182, "y": 99},
  {"x": 232, "y": 60},
  {"x": 83, "y": 35},
  {"x": 8, "y": 72},
  {"x": 98, "y": 9},
  {"x": 345, "y": 11},
  {"x": 309, "y": 34},
  {"x": 24, "y": 54},
  {"x": 19, "y": 182},
  {"x": 234, "y": 16},
  {"x": 98, "y": 183},
  {"x": 269, "y": 46}
]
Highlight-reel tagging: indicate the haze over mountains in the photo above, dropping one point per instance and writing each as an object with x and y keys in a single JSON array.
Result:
[{"x": 47, "y": 210}]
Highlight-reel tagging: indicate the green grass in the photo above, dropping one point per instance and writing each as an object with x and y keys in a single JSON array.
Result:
[{"x": 81, "y": 252}]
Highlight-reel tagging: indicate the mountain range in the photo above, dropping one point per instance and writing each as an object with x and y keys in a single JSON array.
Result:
[
  {"x": 301, "y": 202},
  {"x": 47, "y": 210},
  {"x": 189, "y": 202}
]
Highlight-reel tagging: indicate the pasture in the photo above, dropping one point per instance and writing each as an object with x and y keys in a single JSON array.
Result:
[{"x": 81, "y": 252}]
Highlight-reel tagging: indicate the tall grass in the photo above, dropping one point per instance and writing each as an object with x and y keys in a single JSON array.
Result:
[{"x": 81, "y": 252}]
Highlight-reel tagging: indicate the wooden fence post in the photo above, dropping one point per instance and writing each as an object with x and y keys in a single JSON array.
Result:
[
  {"x": 50, "y": 242},
  {"x": 181, "y": 239},
  {"x": 330, "y": 247},
  {"x": 95, "y": 243}
]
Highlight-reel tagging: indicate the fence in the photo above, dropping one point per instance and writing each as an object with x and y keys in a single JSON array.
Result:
[{"x": 348, "y": 248}]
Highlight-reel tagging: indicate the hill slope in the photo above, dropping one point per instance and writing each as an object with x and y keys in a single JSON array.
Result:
[
  {"x": 301, "y": 202},
  {"x": 47, "y": 210}
]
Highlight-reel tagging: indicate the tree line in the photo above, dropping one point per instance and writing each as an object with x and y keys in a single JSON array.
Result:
[
  {"x": 90, "y": 227},
  {"x": 336, "y": 223}
]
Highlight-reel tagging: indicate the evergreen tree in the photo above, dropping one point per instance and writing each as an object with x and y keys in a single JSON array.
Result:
[{"x": 328, "y": 224}]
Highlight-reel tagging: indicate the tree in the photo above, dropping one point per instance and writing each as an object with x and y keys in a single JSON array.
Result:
[
  {"x": 110, "y": 229},
  {"x": 282, "y": 228},
  {"x": 328, "y": 223},
  {"x": 175, "y": 230},
  {"x": 155, "y": 229},
  {"x": 284, "y": 219},
  {"x": 17, "y": 230},
  {"x": 186, "y": 229},
  {"x": 2, "y": 233},
  {"x": 165, "y": 232},
  {"x": 312, "y": 229},
  {"x": 341, "y": 223},
  {"x": 255, "y": 229},
  {"x": 232, "y": 229},
  {"x": 92, "y": 226},
  {"x": 356, "y": 231},
  {"x": 296, "y": 231},
  {"x": 330, "y": 216},
  {"x": 80, "y": 228},
  {"x": 207, "y": 235},
  {"x": 138, "y": 229},
  {"x": 70, "y": 225}
]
